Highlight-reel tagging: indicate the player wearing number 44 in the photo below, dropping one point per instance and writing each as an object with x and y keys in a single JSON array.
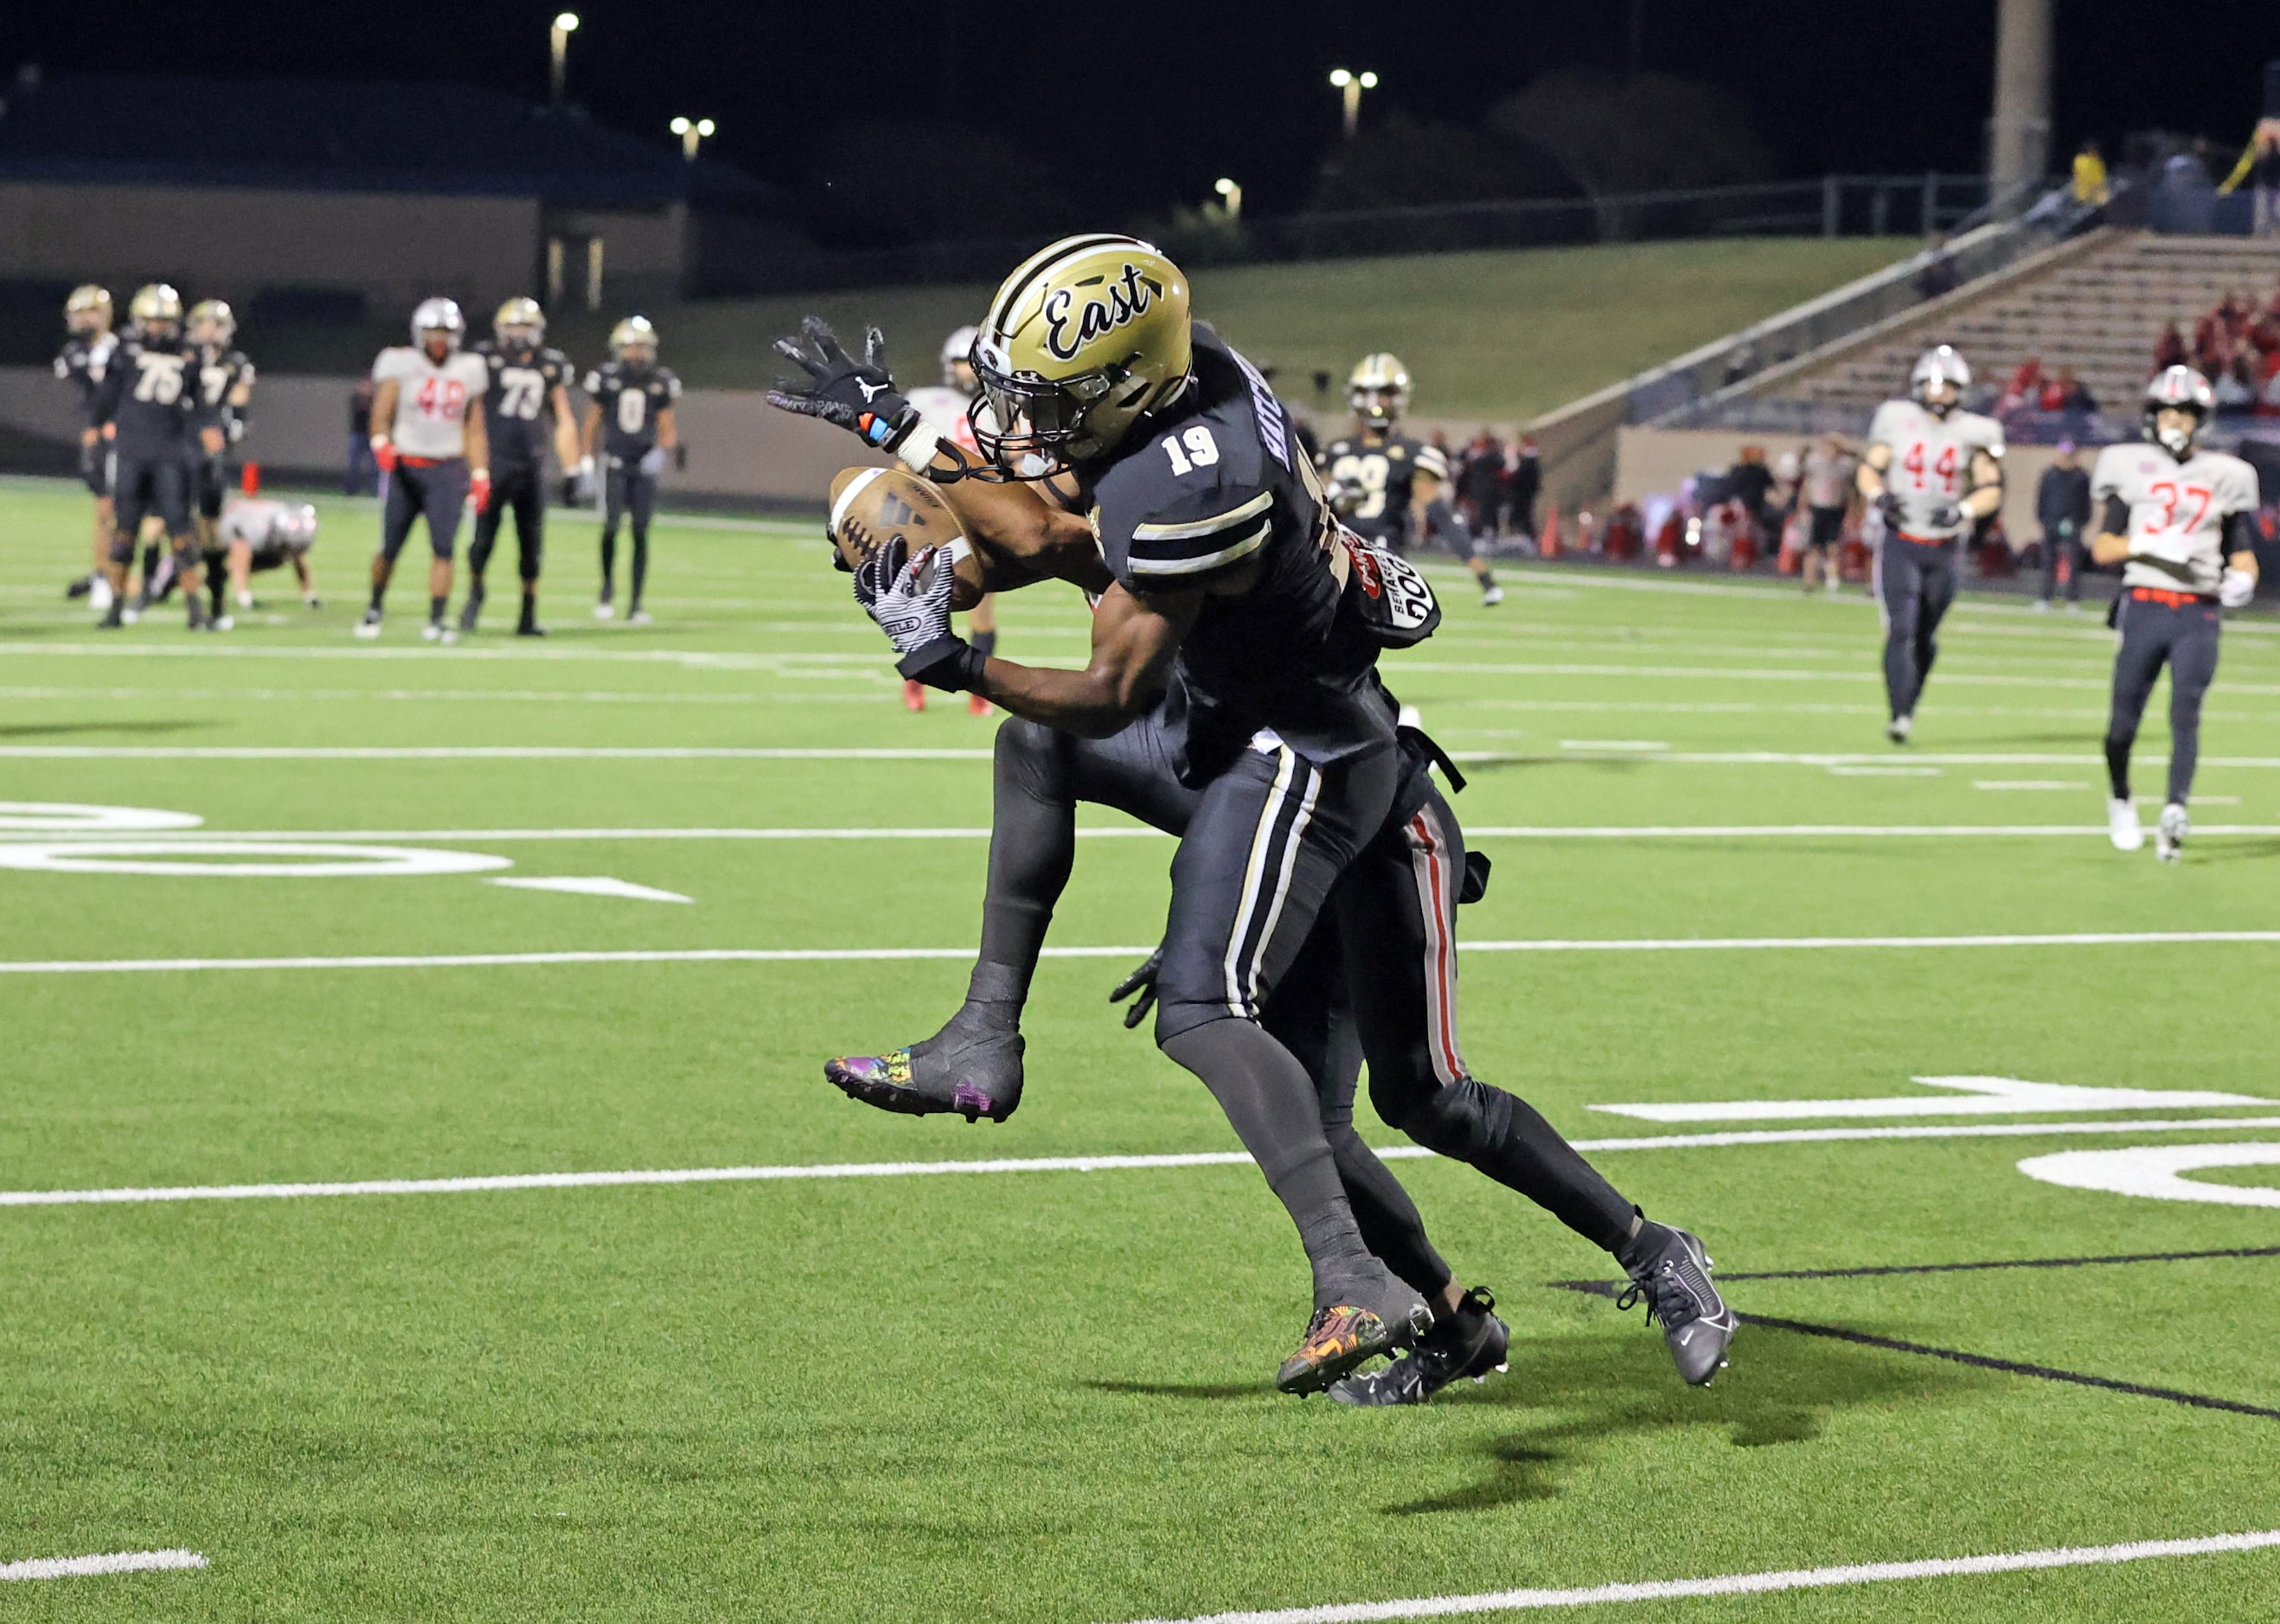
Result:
[
  {"x": 429, "y": 440},
  {"x": 1933, "y": 471},
  {"x": 2182, "y": 523}
]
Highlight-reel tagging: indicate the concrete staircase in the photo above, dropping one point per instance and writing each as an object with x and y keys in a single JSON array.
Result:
[{"x": 2097, "y": 306}]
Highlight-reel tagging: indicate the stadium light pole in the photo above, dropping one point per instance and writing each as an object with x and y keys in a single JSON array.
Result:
[
  {"x": 692, "y": 131},
  {"x": 566, "y": 24},
  {"x": 1233, "y": 194},
  {"x": 1351, "y": 86}
]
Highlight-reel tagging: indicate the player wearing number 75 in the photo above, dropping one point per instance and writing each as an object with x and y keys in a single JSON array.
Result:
[
  {"x": 1933, "y": 471},
  {"x": 2180, "y": 522},
  {"x": 429, "y": 441}
]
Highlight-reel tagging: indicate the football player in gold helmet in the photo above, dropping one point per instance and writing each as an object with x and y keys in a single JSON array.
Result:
[{"x": 86, "y": 353}]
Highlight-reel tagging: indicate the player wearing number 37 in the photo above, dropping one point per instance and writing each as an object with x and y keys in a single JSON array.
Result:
[
  {"x": 429, "y": 439},
  {"x": 2181, "y": 521}
]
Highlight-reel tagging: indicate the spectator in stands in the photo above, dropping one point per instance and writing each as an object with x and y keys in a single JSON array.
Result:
[
  {"x": 1525, "y": 483},
  {"x": 1824, "y": 489},
  {"x": 1480, "y": 484},
  {"x": 1750, "y": 482},
  {"x": 2069, "y": 396},
  {"x": 2063, "y": 509},
  {"x": 2026, "y": 386},
  {"x": 363, "y": 476},
  {"x": 2170, "y": 350},
  {"x": 1939, "y": 275},
  {"x": 2089, "y": 185},
  {"x": 2264, "y": 174}
]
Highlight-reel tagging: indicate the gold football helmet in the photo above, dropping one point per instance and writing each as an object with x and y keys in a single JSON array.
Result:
[
  {"x": 154, "y": 303},
  {"x": 634, "y": 333},
  {"x": 1378, "y": 389},
  {"x": 523, "y": 312},
  {"x": 1083, "y": 340},
  {"x": 213, "y": 322},
  {"x": 89, "y": 309}
]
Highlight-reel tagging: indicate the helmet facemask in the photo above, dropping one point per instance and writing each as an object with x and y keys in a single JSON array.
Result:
[
  {"x": 1031, "y": 428},
  {"x": 2176, "y": 438},
  {"x": 1377, "y": 405}
]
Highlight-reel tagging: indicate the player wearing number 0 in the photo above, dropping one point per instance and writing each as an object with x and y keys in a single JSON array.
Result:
[
  {"x": 1934, "y": 471},
  {"x": 1390, "y": 488},
  {"x": 629, "y": 421},
  {"x": 2181, "y": 522},
  {"x": 528, "y": 390},
  {"x": 948, "y": 409},
  {"x": 148, "y": 405},
  {"x": 429, "y": 441}
]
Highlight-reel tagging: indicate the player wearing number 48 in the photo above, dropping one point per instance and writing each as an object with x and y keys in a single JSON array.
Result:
[{"x": 429, "y": 439}]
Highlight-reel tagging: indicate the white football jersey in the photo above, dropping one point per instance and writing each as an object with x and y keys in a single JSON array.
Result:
[
  {"x": 943, "y": 410},
  {"x": 1931, "y": 461},
  {"x": 431, "y": 401},
  {"x": 2177, "y": 511},
  {"x": 252, "y": 519}
]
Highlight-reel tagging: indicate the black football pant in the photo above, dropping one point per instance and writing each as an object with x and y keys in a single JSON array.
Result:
[
  {"x": 436, "y": 490},
  {"x": 211, "y": 487},
  {"x": 522, "y": 491},
  {"x": 149, "y": 482},
  {"x": 2155, "y": 633},
  {"x": 1916, "y": 585},
  {"x": 2069, "y": 547},
  {"x": 627, "y": 494}
]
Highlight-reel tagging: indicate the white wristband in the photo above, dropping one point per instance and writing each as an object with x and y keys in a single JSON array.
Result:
[{"x": 918, "y": 450}]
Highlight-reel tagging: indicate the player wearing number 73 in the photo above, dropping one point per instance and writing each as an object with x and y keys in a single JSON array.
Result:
[
  {"x": 529, "y": 390},
  {"x": 1934, "y": 471},
  {"x": 2182, "y": 523}
]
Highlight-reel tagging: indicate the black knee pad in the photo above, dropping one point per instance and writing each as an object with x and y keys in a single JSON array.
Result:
[
  {"x": 122, "y": 550},
  {"x": 1034, "y": 757},
  {"x": 1460, "y": 1121}
]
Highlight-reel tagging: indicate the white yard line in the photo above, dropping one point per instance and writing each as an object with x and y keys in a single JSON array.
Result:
[
  {"x": 1493, "y": 831},
  {"x": 834, "y": 955},
  {"x": 808, "y": 1172},
  {"x": 1747, "y": 1584},
  {"x": 88, "y": 1567}
]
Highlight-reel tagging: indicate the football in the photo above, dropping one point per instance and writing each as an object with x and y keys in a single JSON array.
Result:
[{"x": 873, "y": 506}]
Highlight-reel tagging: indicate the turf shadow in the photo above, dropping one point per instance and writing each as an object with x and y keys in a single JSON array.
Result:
[
  {"x": 31, "y": 730},
  {"x": 1186, "y": 1390}
]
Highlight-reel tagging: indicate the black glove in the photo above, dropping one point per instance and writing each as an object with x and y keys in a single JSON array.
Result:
[
  {"x": 1142, "y": 981},
  {"x": 1945, "y": 516},
  {"x": 1888, "y": 504},
  {"x": 858, "y": 395}
]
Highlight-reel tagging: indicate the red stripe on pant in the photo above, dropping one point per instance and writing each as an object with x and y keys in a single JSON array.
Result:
[{"x": 1440, "y": 951}]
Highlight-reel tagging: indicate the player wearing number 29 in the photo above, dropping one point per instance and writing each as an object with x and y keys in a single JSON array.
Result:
[
  {"x": 429, "y": 439},
  {"x": 2181, "y": 522},
  {"x": 1934, "y": 470},
  {"x": 629, "y": 422},
  {"x": 529, "y": 391}
]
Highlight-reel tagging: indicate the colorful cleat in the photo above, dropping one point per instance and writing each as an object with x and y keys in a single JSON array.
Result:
[
  {"x": 1342, "y": 1336},
  {"x": 1670, "y": 1272},
  {"x": 1471, "y": 1342}
]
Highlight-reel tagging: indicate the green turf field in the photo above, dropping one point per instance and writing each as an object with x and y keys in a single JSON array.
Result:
[{"x": 1039, "y": 1395}]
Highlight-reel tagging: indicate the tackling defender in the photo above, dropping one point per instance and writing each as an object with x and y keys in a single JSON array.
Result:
[
  {"x": 86, "y": 354},
  {"x": 1389, "y": 487},
  {"x": 630, "y": 420},
  {"x": 147, "y": 403},
  {"x": 1220, "y": 574},
  {"x": 527, "y": 380},
  {"x": 948, "y": 410},
  {"x": 429, "y": 439},
  {"x": 2181, "y": 521},
  {"x": 1935, "y": 470}
]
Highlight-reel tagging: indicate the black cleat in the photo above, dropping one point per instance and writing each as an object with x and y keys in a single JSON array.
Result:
[
  {"x": 1670, "y": 1272},
  {"x": 471, "y": 610},
  {"x": 79, "y": 589},
  {"x": 113, "y": 617},
  {"x": 1343, "y": 1335},
  {"x": 972, "y": 1066},
  {"x": 1472, "y": 1342}
]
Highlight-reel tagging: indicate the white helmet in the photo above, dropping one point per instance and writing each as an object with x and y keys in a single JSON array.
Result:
[
  {"x": 2179, "y": 389},
  {"x": 957, "y": 351},
  {"x": 1940, "y": 365},
  {"x": 438, "y": 316},
  {"x": 296, "y": 524}
]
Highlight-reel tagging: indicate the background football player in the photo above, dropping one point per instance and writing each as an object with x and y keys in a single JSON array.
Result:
[
  {"x": 80, "y": 363},
  {"x": 1389, "y": 487},
  {"x": 2181, "y": 521},
  {"x": 226, "y": 379},
  {"x": 255, "y": 533},
  {"x": 429, "y": 439},
  {"x": 147, "y": 403},
  {"x": 1935, "y": 470},
  {"x": 947, "y": 409},
  {"x": 629, "y": 424},
  {"x": 529, "y": 382}
]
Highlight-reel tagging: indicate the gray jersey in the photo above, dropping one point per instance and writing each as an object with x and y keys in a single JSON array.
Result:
[
  {"x": 2177, "y": 511},
  {"x": 1931, "y": 462},
  {"x": 431, "y": 401}
]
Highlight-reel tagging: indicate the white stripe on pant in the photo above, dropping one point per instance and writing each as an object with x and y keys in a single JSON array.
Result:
[{"x": 1243, "y": 969}]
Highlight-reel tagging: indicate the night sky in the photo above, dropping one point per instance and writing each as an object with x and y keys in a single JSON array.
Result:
[{"x": 1141, "y": 105}]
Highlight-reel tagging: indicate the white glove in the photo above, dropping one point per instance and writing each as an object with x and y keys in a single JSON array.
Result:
[
  {"x": 2237, "y": 589},
  {"x": 2168, "y": 546},
  {"x": 652, "y": 462},
  {"x": 910, "y": 600}
]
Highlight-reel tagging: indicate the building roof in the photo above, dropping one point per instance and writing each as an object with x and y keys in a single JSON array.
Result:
[{"x": 296, "y": 135}]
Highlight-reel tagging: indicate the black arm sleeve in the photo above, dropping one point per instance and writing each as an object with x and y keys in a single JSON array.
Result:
[
  {"x": 2117, "y": 518},
  {"x": 2239, "y": 533},
  {"x": 102, "y": 402}
]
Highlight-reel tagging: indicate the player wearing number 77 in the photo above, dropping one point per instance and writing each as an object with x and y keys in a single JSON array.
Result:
[
  {"x": 1934, "y": 471},
  {"x": 429, "y": 440},
  {"x": 2182, "y": 523}
]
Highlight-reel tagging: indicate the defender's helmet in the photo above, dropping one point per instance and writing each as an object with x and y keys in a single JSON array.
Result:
[
  {"x": 2178, "y": 388},
  {"x": 296, "y": 525},
  {"x": 212, "y": 321},
  {"x": 1937, "y": 366},
  {"x": 88, "y": 308},
  {"x": 154, "y": 303},
  {"x": 1378, "y": 389},
  {"x": 634, "y": 333},
  {"x": 519, "y": 313},
  {"x": 1083, "y": 340},
  {"x": 438, "y": 316},
  {"x": 958, "y": 358}
]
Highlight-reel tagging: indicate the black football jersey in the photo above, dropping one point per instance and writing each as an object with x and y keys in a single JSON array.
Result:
[
  {"x": 81, "y": 363},
  {"x": 630, "y": 401},
  {"x": 219, "y": 372},
  {"x": 1213, "y": 485},
  {"x": 1384, "y": 471},
  {"x": 150, "y": 392},
  {"x": 517, "y": 407}
]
